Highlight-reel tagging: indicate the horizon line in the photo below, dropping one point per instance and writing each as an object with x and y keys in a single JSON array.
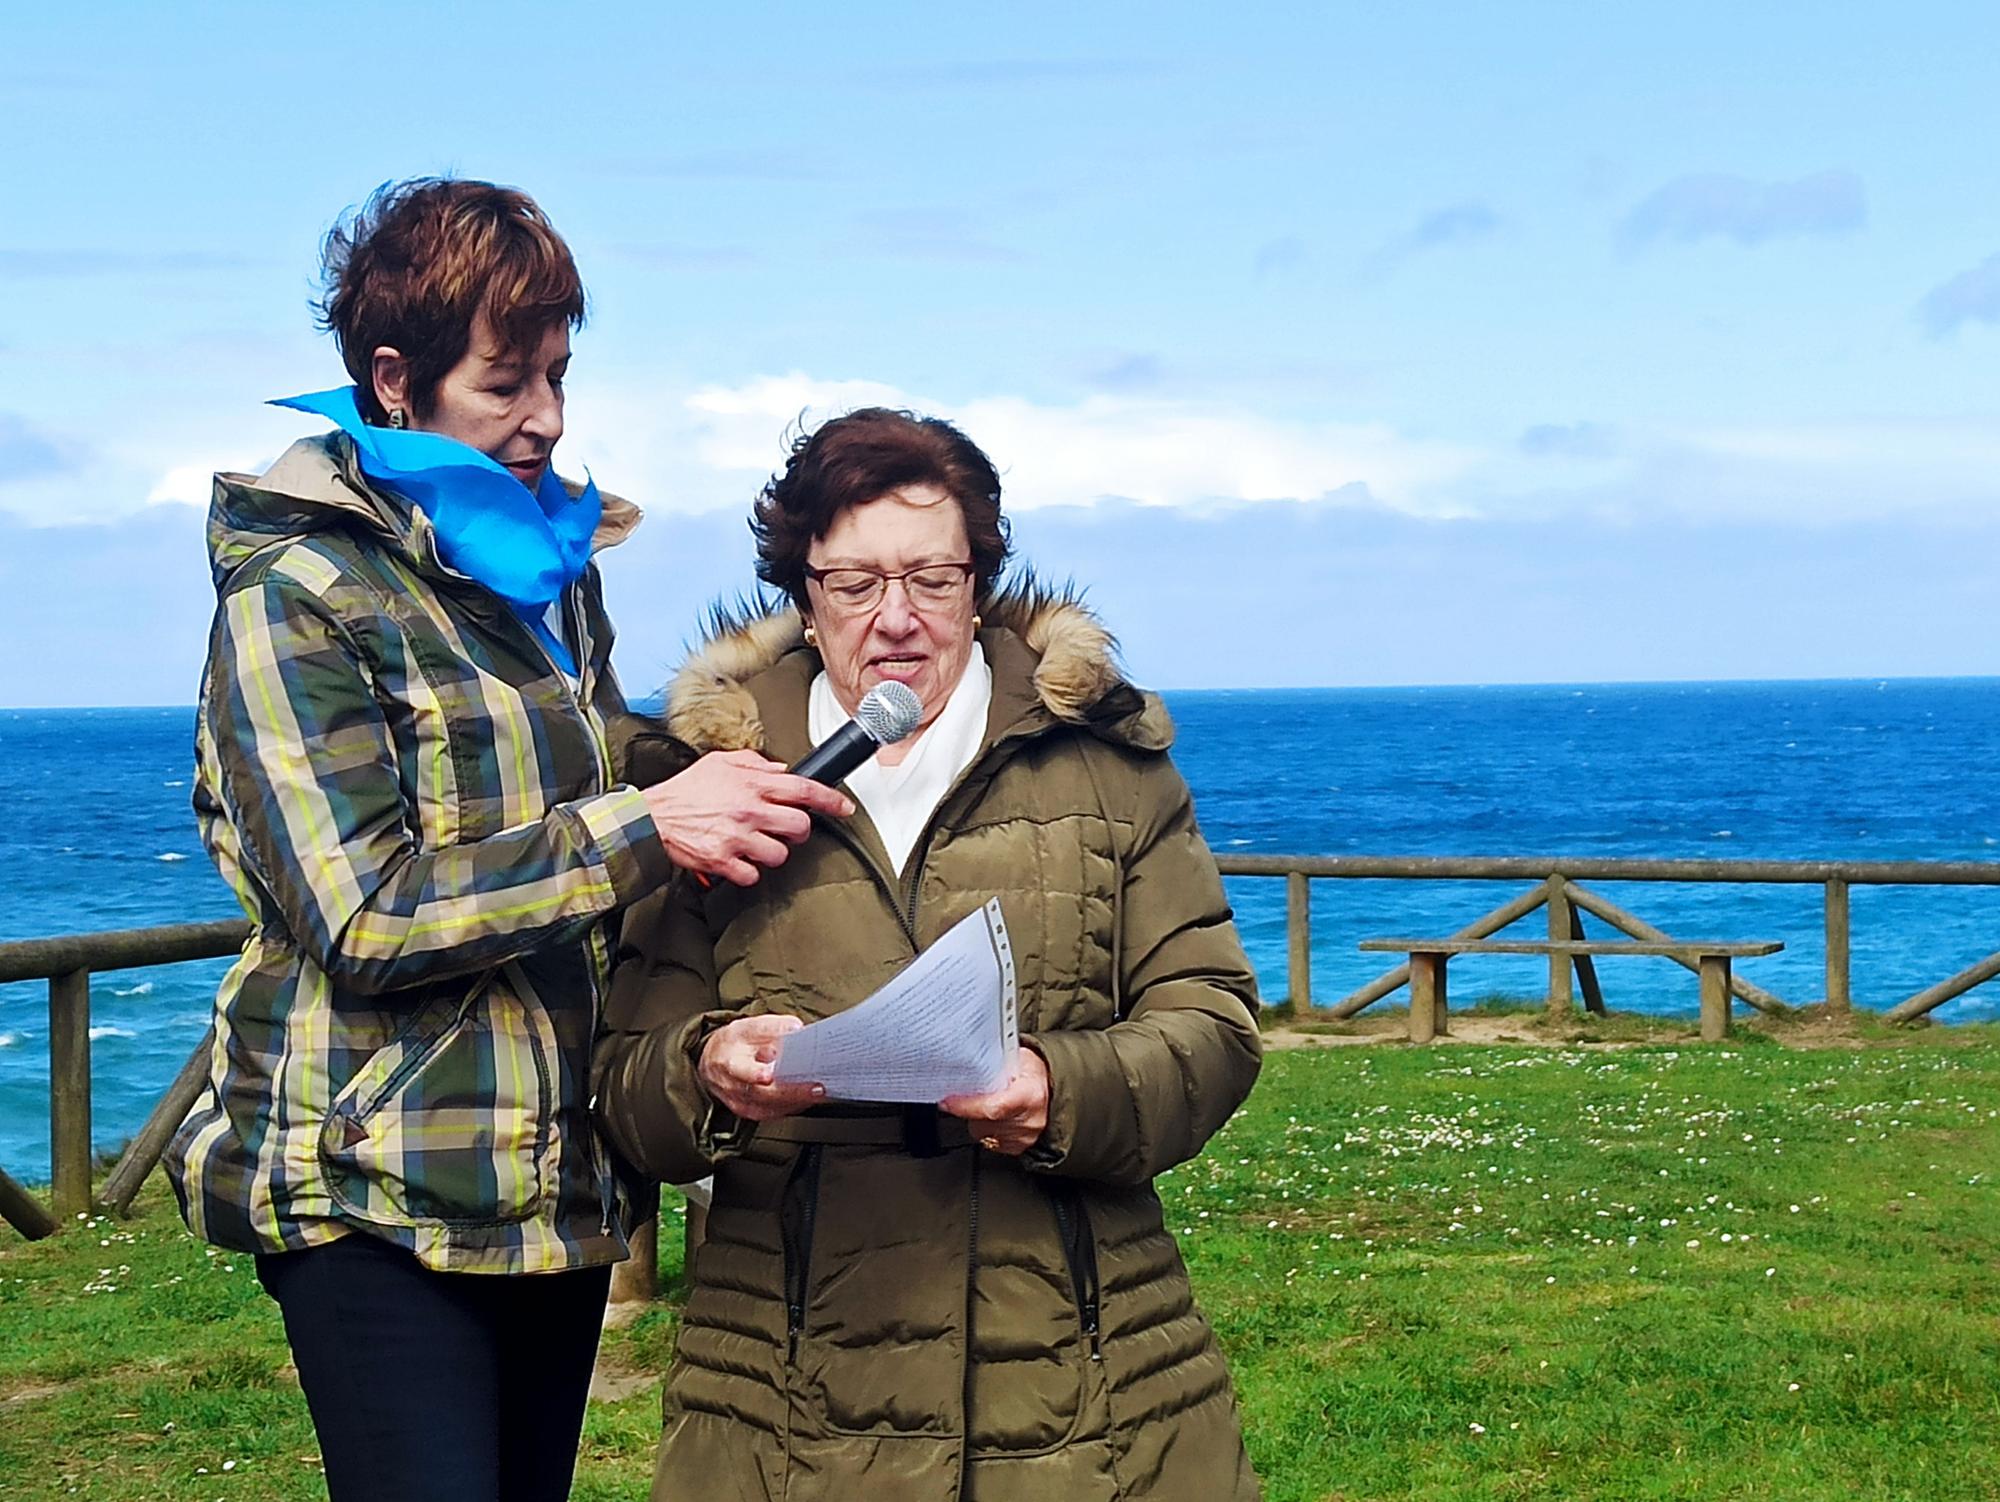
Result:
[{"x": 1882, "y": 679}]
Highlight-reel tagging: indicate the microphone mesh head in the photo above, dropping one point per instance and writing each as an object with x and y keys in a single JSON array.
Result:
[{"x": 889, "y": 711}]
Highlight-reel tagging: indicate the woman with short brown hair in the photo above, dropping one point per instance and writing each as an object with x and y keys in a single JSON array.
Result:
[{"x": 405, "y": 774}]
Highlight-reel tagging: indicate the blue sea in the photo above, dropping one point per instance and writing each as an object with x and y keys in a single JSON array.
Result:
[{"x": 99, "y": 835}]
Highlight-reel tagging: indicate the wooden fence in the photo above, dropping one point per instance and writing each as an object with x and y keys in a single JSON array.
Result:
[
  {"x": 1558, "y": 887},
  {"x": 68, "y": 963}
]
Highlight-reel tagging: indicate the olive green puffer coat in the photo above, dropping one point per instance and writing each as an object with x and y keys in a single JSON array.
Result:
[{"x": 881, "y": 1310}]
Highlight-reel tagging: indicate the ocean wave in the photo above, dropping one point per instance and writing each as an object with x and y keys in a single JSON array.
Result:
[
  {"x": 144, "y": 988},
  {"x": 111, "y": 1032},
  {"x": 171, "y": 855},
  {"x": 8, "y": 1040}
]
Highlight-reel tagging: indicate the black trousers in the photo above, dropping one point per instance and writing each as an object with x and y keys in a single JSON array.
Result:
[{"x": 438, "y": 1387}]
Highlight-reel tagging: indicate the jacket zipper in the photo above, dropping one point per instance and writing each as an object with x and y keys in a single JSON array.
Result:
[
  {"x": 600, "y": 1161},
  {"x": 1080, "y": 1250},
  {"x": 798, "y": 1250},
  {"x": 965, "y": 1377}
]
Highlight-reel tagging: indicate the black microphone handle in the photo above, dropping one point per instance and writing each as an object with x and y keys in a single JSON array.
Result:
[{"x": 840, "y": 753}]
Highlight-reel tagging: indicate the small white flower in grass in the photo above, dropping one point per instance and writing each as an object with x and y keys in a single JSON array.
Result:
[
  {"x": 229, "y": 1465},
  {"x": 1694, "y": 1246},
  {"x": 1795, "y": 1209},
  {"x": 1792, "y": 1387},
  {"x": 1270, "y": 1225},
  {"x": 1476, "y": 1428},
  {"x": 1770, "y": 1272},
  {"x": 1548, "y": 1280}
]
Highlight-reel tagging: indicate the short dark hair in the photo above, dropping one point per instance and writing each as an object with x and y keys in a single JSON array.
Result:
[
  {"x": 858, "y": 458},
  {"x": 415, "y": 266}
]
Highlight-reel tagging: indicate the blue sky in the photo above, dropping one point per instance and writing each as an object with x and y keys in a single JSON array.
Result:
[{"x": 1326, "y": 345}]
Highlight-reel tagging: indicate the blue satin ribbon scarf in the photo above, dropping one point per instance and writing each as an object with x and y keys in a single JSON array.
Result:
[{"x": 527, "y": 547}]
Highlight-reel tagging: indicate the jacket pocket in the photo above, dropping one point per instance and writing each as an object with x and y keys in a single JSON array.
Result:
[
  {"x": 797, "y": 1212},
  {"x": 450, "y": 1120}
]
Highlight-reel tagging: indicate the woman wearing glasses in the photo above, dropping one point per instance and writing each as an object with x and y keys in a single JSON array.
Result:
[{"x": 979, "y": 1299}]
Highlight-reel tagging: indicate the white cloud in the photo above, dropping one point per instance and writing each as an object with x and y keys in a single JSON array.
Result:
[
  {"x": 717, "y": 444},
  {"x": 699, "y": 449},
  {"x": 183, "y": 485},
  {"x": 1720, "y": 205},
  {"x": 1973, "y": 296}
]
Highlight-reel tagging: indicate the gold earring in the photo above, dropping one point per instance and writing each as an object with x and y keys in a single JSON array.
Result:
[
  {"x": 397, "y": 419},
  {"x": 976, "y": 622},
  {"x": 812, "y": 636}
]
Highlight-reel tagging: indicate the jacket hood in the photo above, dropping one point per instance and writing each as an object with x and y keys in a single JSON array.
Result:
[
  {"x": 317, "y": 486},
  {"x": 1053, "y": 662}
]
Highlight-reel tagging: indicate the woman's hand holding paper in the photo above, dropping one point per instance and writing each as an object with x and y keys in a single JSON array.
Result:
[
  {"x": 1009, "y": 1120},
  {"x": 739, "y": 1065}
]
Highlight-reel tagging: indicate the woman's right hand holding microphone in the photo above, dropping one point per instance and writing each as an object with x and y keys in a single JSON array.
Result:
[{"x": 734, "y": 813}]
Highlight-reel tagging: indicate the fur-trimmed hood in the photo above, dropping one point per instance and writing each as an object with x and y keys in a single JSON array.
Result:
[{"x": 1052, "y": 661}]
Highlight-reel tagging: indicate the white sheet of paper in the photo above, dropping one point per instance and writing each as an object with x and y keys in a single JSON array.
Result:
[{"x": 946, "y": 1025}]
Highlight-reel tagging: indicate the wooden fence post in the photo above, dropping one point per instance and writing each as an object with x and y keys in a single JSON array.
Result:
[
  {"x": 142, "y": 1155},
  {"x": 1298, "y": 941},
  {"x": 1937, "y": 995},
  {"x": 1839, "y": 996},
  {"x": 1714, "y": 997},
  {"x": 23, "y": 1211},
  {"x": 1562, "y": 1001},
  {"x": 1586, "y": 967},
  {"x": 69, "y": 1094},
  {"x": 637, "y": 1278},
  {"x": 1428, "y": 998}
]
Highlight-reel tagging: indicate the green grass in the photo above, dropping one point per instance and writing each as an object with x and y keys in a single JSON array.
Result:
[{"x": 1456, "y": 1272}]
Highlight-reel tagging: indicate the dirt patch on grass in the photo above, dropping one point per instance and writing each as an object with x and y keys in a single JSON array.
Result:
[
  {"x": 1813, "y": 1027},
  {"x": 27, "y": 1395},
  {"x": 1517, "y": 1028},
  {"x": 615, "y": 1378}
]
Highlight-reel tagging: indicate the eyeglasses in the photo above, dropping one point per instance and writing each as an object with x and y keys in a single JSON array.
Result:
[{"x": 856, "y": 591}]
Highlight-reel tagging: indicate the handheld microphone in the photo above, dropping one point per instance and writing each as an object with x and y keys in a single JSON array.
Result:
[{"x": 887, "y": 713}]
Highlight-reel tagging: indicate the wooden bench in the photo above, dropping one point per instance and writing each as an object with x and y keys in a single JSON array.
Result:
[{"x": 1428, "y": 957}]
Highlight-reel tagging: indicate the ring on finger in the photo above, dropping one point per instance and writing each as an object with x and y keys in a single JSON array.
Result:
[{"x": 991, "y": 1144}]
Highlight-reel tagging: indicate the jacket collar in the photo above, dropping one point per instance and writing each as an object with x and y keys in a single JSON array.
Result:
[
  {"x": 1053, "y": 663},
  {"x": 317, "y": 485}
]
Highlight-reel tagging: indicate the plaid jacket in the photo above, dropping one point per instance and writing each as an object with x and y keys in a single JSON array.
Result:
[{"x": 418, "y": 814}]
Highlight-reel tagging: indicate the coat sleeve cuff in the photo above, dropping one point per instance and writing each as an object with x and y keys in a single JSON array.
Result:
[
  {"x": 621, "y": 827},
  {"x": 1077, "y": 1113},
  {"x": 718, "y": 1131}
]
